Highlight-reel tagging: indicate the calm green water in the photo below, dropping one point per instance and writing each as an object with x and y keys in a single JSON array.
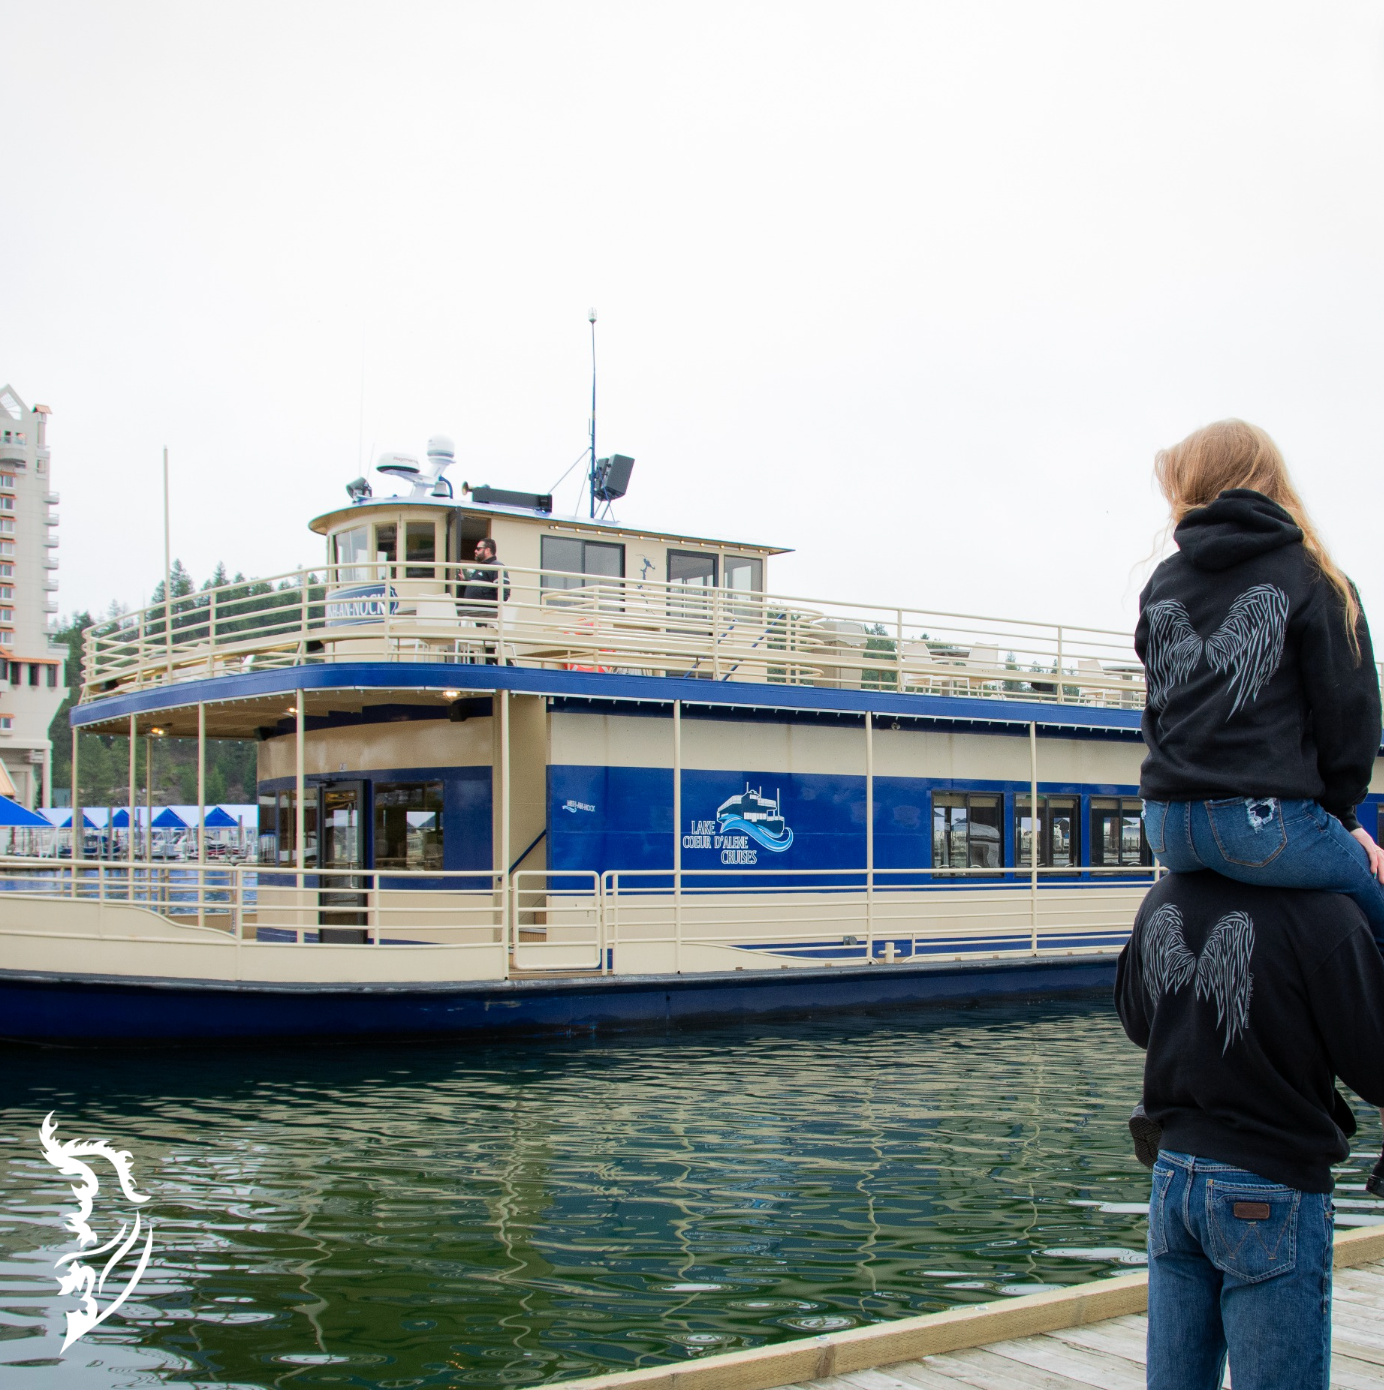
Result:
[{"x": 512, "y": 1214}]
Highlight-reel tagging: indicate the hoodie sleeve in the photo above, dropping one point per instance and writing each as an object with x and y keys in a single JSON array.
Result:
[
  {"x": 1141, "y": 631},
  {"x": 1343, "y": 696},
  {"x": 1347, "y": 999},
  {"x": 1131, "y": 1002}
]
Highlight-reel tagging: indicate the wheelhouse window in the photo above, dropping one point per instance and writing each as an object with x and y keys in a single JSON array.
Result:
[
  {"x": 1117, "y": 832},
  {"x": 420, "y": 550},
  {"x": 386, "y": 543},
  {"x": 967, "y": 831},
  {"x": 744, "y": 574},
  {"x": 694, "y": 569},
  {"x": 578, "y": 562},
  {"x": 408, "y": 825},
  {"x": 351, "y": 550},
  {"x": 1059, "y": 835}
]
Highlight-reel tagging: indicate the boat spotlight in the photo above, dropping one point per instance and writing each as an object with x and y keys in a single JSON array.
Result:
[{"x": 358, "y": 490}]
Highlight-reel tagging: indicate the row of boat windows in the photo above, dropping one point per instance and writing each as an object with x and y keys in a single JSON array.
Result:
[
  {"x": 968, "y": 831},
  {"x": 406, "y": 826},
  {"x": 407, "y": 829},
  {"x": 415, "y": 543},
  {"x": 693, "y": 569}
]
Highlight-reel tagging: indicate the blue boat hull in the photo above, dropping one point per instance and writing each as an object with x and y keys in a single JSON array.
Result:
[{"x": 85, "y": 1011}]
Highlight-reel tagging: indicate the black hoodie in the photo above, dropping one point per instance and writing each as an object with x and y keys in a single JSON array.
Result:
[
  {"x": 1253, "y": 689},
  {"x": 1249, "y": 1002}
]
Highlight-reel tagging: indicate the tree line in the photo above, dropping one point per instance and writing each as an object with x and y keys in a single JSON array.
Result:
[{"x": 103, "y": 760}]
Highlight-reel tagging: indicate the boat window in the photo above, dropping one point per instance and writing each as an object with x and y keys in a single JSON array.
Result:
[
  {"x": 351, "y": 551},
  {"x": 1058, "y": 832},
  {"x": 575, "y": 558},
  {"x": 386, "y": 543},
  {"x": 287, "y": 838},
  {"x": 269, "y": 829},
  {"x": 745, "y": 574},
  {"x": 1117, "y": 831},
  {"x": 408, "y": 825},
  {"x": 604, "y": 559},
  {"x": 966, "y": 831},
  {"x": 420, "y": 550},
  {"x": 694, "y": 568}
]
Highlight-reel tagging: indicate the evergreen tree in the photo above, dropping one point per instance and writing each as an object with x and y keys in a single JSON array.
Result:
[{"x": 103, "y": 759}]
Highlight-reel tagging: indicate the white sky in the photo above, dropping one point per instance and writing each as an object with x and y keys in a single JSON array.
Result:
[{"x": 914, "y": 288}]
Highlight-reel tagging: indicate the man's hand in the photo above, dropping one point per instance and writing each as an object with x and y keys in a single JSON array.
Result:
[{"x": 1375, "y": 853}]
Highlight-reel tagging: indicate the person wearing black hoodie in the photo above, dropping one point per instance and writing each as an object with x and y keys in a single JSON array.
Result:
[
  {"x": 1262, "y": 721},
  {"x": 1249, "y": 1002}
]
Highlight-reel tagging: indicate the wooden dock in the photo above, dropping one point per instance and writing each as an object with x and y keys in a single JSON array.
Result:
[{"x": 1088, "y": 1336}]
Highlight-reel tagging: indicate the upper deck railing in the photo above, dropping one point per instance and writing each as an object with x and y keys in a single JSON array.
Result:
[{"x": 555, "y": 620}]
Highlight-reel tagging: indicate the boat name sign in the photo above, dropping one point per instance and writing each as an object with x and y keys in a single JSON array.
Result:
[{"x": 743, "y": 821}]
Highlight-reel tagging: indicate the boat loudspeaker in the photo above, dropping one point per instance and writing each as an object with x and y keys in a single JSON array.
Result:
[{"x": 612, "y": 477}]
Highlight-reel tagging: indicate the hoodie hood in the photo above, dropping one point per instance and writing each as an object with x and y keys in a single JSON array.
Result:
[{"x": 1239, "y": 525}]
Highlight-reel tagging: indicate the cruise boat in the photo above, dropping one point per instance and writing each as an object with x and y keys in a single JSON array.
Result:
[{"x": 532, "y": 795}]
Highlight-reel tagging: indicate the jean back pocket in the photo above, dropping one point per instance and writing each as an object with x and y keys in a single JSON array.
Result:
[
  {"x": 1252, "y": 1229},
  {"x": 1155, "y": 821},
  {"x": 1163, "y": 1176},
  {"x": 1248, "y": 830}
]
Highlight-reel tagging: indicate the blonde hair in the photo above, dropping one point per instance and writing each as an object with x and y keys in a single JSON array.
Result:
[{"x": 1232, "y": 454}]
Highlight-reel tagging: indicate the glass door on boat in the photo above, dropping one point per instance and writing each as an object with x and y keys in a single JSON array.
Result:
[{"x": 342, "y": 914}]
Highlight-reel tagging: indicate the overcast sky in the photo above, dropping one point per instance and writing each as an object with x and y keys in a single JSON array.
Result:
[{"x": 916, "y": 289}]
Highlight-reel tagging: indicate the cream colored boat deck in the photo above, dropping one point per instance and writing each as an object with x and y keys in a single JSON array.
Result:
[{"x": 1092, "y": 1335}]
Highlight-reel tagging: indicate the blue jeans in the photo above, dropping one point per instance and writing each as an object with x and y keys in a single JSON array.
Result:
[
  {"x": 1277, "y": 844},
  {"x": 1237, "y": 1264}
]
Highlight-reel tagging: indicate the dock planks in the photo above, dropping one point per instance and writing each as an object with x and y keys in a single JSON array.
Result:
[{"x": 1090, "y": 1337}]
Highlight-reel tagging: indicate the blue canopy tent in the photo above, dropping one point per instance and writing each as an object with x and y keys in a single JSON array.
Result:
[
  {"x": 169, "y": 819},
  {"x": 20, "y": 817},
  {"x": 217, "y": 819},
  {"x": 87, "y": 823},
  {"x": 121, "y": 819}
]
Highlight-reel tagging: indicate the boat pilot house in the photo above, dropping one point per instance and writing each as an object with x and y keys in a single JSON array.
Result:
[{"x": 532, "y": 770}]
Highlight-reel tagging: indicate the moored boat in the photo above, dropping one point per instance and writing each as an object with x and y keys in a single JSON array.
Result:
[{"x": 534, "y": 792}]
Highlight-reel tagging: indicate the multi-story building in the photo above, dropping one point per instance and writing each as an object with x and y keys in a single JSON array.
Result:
[{"x": 32, "y": 684}]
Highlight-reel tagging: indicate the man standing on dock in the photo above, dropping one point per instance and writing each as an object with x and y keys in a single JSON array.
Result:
[{"x": 1250, "y": 1002}]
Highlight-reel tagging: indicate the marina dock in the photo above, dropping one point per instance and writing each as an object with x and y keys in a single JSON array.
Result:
[{"x": 1091, "y": 1335}]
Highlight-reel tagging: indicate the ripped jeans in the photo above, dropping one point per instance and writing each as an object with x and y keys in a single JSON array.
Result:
[{"x": 1277, "y": 844}]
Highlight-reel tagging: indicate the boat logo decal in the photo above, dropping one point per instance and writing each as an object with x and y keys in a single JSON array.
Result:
[
  {"x": 742, "y": 821},
  {"x": 575, "y": 806},
  {"x": 759, "y": 816},
  {"x": 74, "y": 1276}
]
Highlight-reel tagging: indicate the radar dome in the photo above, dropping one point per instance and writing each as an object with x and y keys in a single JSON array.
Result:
[{"x": 441, "y": 444}]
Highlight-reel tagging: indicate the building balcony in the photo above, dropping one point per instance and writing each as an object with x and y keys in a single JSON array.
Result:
[
  {"x": 52, "y": 498},
  {"x": 51, "y": 519},
  {"x": 50, "y": 562},
  {"x": 50, "y": 540}
]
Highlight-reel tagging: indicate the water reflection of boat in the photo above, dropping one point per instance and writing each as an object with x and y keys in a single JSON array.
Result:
[{"x": 504, "y": 783}]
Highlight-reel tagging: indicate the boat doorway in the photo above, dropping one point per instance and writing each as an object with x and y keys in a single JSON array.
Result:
[{"x": 342, "y": 914}]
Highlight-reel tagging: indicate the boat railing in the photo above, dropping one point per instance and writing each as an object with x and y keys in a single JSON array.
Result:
[
  {"x": 554, "y": 620},
  {"x": 546, "y": 921}
]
